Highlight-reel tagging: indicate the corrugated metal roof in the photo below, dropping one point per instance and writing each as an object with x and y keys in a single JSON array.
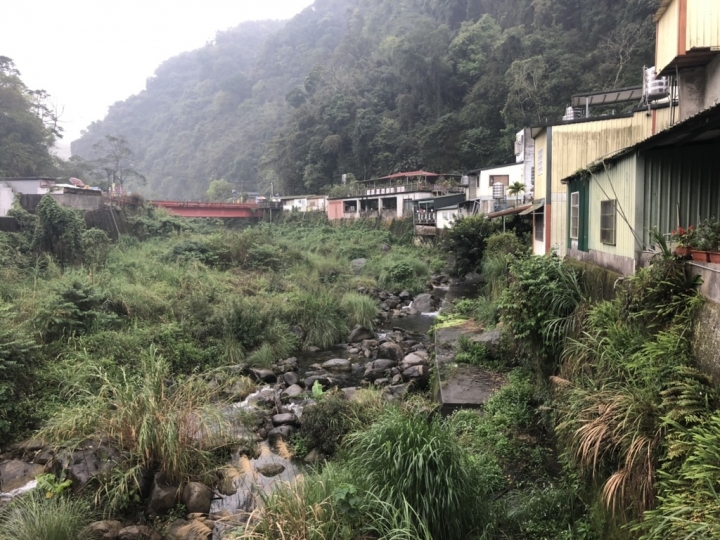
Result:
[
  {"x": 509, "y": 211},
  {"x": 700, "y": 127}
]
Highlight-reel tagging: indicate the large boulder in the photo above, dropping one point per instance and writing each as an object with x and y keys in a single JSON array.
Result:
[
  {"x": 325, "y": 382},
  {"x": 139, "y": 532},
  {"x": 263, "y": 375},
  {"x": 108, "y": 529},
  {"x": 291, "y": 378},
  {"x": 15, "y": 474},
  {"x": 197, "y": 498},
  {"x": 360, "y": 333},
  {"x": 292, "y": 391},
  {"x": 491, "y": 339},
  {"x": 417, "y": 375},
  {"x": 338, "y": 364},
  {"x": 285, "y": 419},
  {"x": 283, "y": 433},
  {"x": 162, "y": 497},
  {"x": 358, "y": 264},
  {"x": 270, "y": 469},
  {"x": 411, "y": 360},
  {"x": 426, "y": 303},
  {"x": 390, "y": 351},
  {"x": 378, "y": 369}
]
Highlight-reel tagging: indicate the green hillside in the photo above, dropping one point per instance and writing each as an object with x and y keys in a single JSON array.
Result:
[{"x": 369, "y": 87}]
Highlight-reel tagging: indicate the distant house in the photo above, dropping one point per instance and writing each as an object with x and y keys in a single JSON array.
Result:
[
  {"x": 304, "y": 203},
  {"x": 10, "y": 187},
  {"x": 390, "y": 197},
  {"x": 479, "y": 188},
  {"x": 72, "y": 194}
]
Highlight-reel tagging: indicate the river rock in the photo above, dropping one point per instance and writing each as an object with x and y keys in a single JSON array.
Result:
[
  {"x": 285, "y": 419},
  {"x": 411, "y": 360},
  {"x": 417, "y": 375},
  {"x": 138, "y": 532},
  {"x": 264, "y": 375},
  {"x": 405, "y": 295},
  {"x": 281, "y": 433},
  {"x": 491, "y": 339},
  {"x": 314, "y": 456},
  {"x": 108, "y": 529},
  {"x": 360, "y": 333},
  {"x": 358, "y": 264},
  {"x": 291, "y": 378},
  {"x": 377, "y": 369},
  {"x": 188, "y": 530},
  {"x": 349, "y": 392},
  {"x": 395, "y": 392},
  {"x": 162, "y": 497},
  {"x": 370, "y": 343},
  {"x": 197, "y": 498},
  {"x": 338, "y": 364},
  {"x": 15, "y": 474},
  {"x": 390, "y": 351},
  {"x": 270, "y": 469},
  {"x": 325, "y": 382},
  {"x": 293, "y": 391},
  {"x": 426, "y": 303}
]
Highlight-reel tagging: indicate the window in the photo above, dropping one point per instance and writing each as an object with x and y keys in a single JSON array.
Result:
[
  {"x": 504, "y": 179},
  {"x": 607, "y": 222},
  {"x": 575, "y": 215},
  {"x": 539, "y": 227}
]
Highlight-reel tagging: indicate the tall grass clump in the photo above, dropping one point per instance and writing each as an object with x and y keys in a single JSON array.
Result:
[
  {"x": 160, "y": 425},
  {"x": 408, "y": 457},
  {"x": 402, "y": 272},
  {"x": 321, "y": 318},
  {"x": 360, "y": 309},
  {"x": 34, "y": 517},
  {"x": 629, "y": 385}
]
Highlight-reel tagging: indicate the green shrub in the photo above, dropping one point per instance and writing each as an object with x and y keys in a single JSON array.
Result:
[
  {"x": 321, "y": 318},
  {"x": 415, "y": 459},
  {"x": 480, "y": 309},
  {"x": 402, "y": 272},
  {"x": 360, "y": 309},
  {"x": 504, "y": 243},
  {"x": 467, "y": 240},
  {"x": 59, "y": 231},
  {"x": 191, "y": 250},
  {"x": 34, "y": 517},
  {"x": 74, "y": 309},
  {"x": 325, "y": 423}
]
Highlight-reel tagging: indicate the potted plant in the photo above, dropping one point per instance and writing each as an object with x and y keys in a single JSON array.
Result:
[
  {"x": 708, "y": 239},
  {"x": 684, "y": 238}
]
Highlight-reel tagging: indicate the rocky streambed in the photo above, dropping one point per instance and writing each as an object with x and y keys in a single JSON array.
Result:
[{"x": 394, "y": 359}]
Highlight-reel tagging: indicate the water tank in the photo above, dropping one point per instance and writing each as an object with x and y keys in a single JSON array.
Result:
[
  {"x": 654, "y": 88},
  {"x": 498, "y": 190},
  {"x": 465, "y": 181},
  {"x": 520, "y": 147}
]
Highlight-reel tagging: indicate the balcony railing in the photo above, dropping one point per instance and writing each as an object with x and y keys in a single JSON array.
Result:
[{"x": 404, "y": 188}]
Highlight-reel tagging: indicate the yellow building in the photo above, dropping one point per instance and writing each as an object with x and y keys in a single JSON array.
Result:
[
  {"x": 686, "y": 50},
  {"x": 563, "y": 148}
]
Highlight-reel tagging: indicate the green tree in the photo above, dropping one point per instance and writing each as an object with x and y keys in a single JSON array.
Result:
[
  {"x": 515, "y": 190},
  {"x": 220, "y": 190},
  {"x": 28, "y": 127},
  {"x": 59, "y": 231},
  {"x": 116, "y": 161}
]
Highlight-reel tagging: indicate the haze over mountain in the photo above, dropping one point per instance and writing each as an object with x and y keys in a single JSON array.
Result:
[{"x": 369, "y": 87}]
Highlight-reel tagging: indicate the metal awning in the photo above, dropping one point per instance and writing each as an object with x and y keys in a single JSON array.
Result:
[
  {"x": 534, "y": 208},
  {"x": 509, "y": 211}
]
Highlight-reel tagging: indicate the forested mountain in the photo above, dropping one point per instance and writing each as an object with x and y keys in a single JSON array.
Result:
[{"x": 370, "y": 87}]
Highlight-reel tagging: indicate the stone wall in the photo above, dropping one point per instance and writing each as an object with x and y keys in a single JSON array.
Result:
[{"x": 707, "y": 340}]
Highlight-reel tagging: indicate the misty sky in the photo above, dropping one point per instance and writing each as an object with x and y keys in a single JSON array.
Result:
[{"x": 88, "y": 54}]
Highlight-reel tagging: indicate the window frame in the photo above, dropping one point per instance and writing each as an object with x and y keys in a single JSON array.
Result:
[
  {"x": 608, "y": 229},
  {"x": 575, "y": 215}
]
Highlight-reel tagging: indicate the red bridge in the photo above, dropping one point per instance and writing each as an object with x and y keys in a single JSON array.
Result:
[{"x": 216, "y": 210}]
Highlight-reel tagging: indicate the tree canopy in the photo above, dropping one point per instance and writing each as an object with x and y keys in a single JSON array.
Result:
[{"x": 28, "y": 126}]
